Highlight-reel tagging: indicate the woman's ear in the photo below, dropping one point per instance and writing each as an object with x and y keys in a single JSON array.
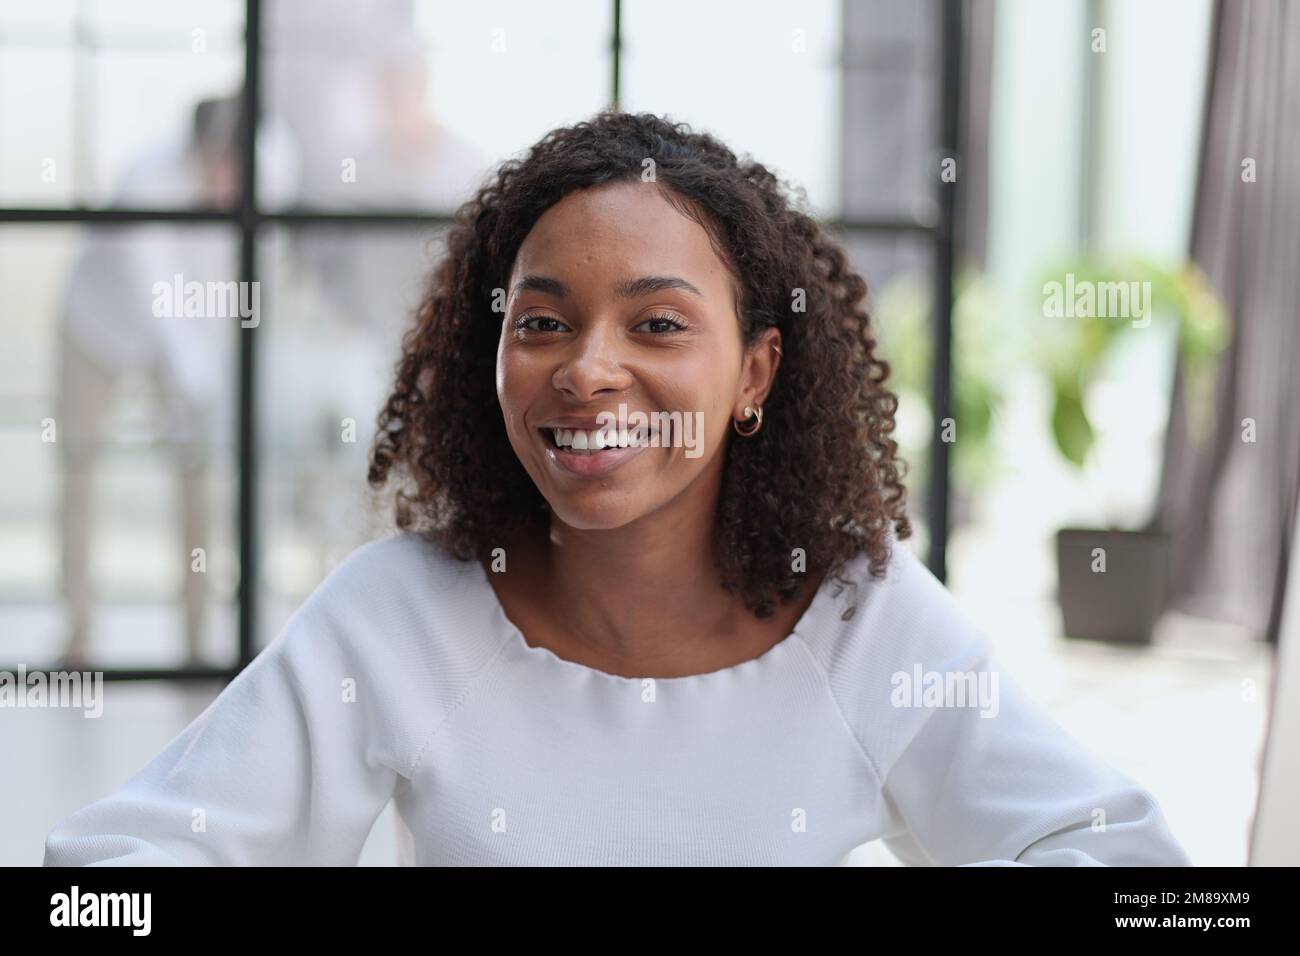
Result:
[{"x": 758, "y": 372}]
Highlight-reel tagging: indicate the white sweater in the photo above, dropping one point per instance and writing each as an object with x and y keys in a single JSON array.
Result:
[{"x": 401, "y": 678}]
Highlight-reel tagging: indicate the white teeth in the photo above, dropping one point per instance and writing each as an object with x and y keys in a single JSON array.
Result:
[{"x": 595, "y": 440}]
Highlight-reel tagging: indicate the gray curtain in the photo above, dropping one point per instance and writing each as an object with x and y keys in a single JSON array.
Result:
[{"x": 1230, "y": 504}]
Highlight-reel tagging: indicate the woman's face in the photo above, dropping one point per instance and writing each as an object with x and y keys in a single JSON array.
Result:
[{"x": 617, "y": 299}]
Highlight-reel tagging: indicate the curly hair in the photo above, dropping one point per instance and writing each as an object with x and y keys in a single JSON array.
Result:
[{"x": 822, "y": 474}]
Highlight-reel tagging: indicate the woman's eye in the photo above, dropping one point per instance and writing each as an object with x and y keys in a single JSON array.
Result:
[
  {"x": 663, "y": 323},
  {"x": 657, "y": 324},
  {"x": 545, "y": 323}
]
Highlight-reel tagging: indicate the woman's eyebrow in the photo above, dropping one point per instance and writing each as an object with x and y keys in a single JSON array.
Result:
[
  {"x": 632, "y": 289},
  {"x": 648, "y": 285},
  {"x": 543, "y": 284}
]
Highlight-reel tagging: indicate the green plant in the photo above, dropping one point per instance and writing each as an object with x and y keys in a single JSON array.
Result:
[{"x": 1081, "y": 296}]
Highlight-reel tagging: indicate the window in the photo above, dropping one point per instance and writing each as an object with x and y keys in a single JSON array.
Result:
[{"x": 185, "y": 470}]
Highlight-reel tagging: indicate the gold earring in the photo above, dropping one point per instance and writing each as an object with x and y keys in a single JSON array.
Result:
[{"x": 757, "y": 415}]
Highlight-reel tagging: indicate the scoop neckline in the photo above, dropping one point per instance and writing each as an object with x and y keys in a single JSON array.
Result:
[{"x": 801, "y": 629}]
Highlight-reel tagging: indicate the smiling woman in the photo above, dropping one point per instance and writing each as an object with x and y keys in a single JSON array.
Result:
[
  {"x": 631, "y": 260},
  {"x": 587, "y": 645}
]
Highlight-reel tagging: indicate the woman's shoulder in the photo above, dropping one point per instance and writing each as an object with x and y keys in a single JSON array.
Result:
[
  {"x": 387, "y": 580},
  {"x": 401, "y": 601},
  {"x": 874, "y": 632},
  {"x": 904, "y": 615},
  {"x": 391, "y": 565}
]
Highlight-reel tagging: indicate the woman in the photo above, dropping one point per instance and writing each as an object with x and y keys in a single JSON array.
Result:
[{"x": 647, "y": 603}]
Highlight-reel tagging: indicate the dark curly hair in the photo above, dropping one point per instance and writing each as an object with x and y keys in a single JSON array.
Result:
[{"x": 822, "y": 474}]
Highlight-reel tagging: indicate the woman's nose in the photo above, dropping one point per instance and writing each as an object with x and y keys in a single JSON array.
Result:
[{"x": 595, "y": 362}]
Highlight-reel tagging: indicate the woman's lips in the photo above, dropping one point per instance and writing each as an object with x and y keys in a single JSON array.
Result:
[{"x": 589, "y": 464}]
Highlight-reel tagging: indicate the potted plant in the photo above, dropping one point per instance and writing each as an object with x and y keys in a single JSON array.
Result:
[{"x": 1113, "y": 583}]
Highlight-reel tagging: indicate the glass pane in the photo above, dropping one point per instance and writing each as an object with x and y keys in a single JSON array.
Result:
[
  {"x": 425, "y": 97},
  {"x": 764, "y": 77},
  {"x": 46, "y": 19},
  {"x": 108, "y": 104},
  {"x": 115, "y": 22},
  {"x": 116, "y": 421},
  {"x": 37, "y": 131},
  {"x": 337, "y": 301}
]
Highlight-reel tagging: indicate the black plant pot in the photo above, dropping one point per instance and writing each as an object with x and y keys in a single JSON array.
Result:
[{"x": 1122, "y": 603}]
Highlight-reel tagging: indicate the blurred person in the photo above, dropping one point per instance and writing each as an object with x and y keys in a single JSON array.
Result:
[
  {"x": 378, "y": 147},
  {"x": 109, "y": 332},
  {"x": 379, "y": 144}
]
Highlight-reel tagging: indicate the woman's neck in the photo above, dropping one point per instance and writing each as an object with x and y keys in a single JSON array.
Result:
[{"x": 637, "y": 600}]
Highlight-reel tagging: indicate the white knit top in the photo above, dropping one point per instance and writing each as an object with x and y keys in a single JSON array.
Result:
[{"x": 883, "y": 715}]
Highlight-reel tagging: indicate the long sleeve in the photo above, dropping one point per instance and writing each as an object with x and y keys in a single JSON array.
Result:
[
  {"x": 1005, "y": 784},
  {"x": 290, "y": 765},
  {"x": 969, "y": 768}
]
